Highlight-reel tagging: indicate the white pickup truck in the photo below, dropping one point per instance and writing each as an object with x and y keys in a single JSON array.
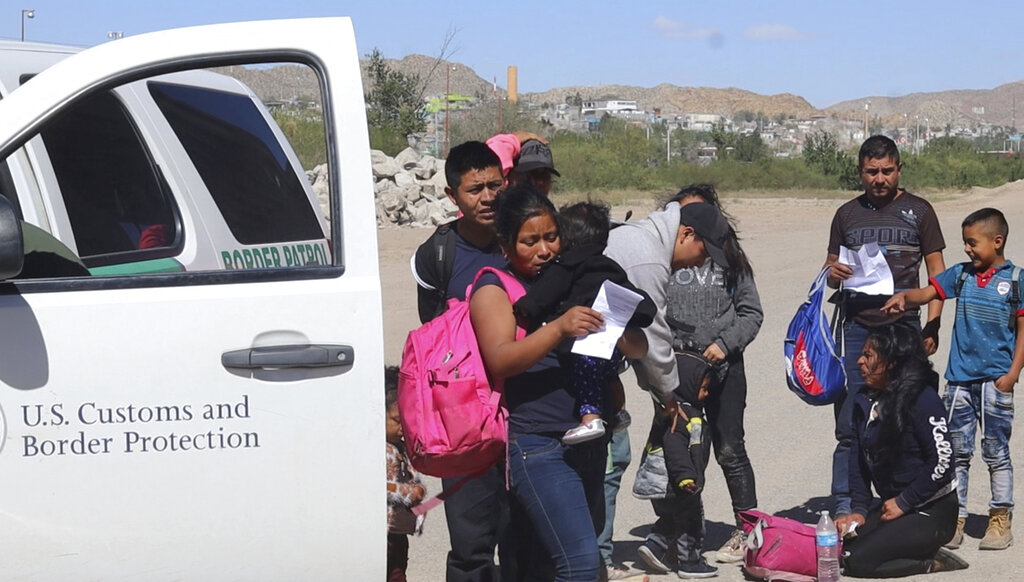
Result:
[{"x": 191, "y": 359}]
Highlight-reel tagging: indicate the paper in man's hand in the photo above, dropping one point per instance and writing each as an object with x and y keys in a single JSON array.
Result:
[{"x": 871, "y": 274}]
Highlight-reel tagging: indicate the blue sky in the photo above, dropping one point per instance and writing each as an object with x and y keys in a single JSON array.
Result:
[{"x": 824, "y": 51}]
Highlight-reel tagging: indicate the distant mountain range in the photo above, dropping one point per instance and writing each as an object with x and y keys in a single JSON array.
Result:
[{"x": 960, "y": 108}]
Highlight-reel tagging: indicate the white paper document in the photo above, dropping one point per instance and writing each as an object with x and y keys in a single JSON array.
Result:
[
  {"x": 616, "y": 304},
  {"x": 871, "y": 274}
]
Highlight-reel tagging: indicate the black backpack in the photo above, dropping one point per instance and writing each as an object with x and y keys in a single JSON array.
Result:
[{"x": 434, "y": 267}]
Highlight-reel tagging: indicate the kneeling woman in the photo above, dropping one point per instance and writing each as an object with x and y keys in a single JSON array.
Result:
[
  {"x": 902, "y": 450},
  {"x": 560, "y": 488}
]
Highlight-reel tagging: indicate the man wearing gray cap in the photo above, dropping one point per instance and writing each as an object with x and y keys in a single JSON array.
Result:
[{"x": 536, "y": 165}]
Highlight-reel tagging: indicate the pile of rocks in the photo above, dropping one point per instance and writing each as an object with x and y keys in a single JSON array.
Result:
[{"x": 408, "y": 188}]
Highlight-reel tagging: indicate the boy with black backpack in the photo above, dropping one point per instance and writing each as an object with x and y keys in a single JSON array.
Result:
[
  {"x": 985, "y": 360},
  {"x": 443, "y": 266}
]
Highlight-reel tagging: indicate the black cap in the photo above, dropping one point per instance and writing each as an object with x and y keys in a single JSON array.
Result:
[
  {"x": 710, "y": 225},
  {"x": 533, "y": 156}
]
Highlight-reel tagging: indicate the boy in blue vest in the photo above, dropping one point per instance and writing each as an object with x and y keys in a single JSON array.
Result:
[{"x": 985, "y": 360}]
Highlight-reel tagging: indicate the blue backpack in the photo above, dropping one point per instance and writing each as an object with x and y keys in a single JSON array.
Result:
[{"x": 814, "y": 359}]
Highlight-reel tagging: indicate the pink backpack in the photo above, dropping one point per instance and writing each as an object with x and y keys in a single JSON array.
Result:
[
  {"x": 452, "y": 415},
  {"x": 779, "y": 548}
]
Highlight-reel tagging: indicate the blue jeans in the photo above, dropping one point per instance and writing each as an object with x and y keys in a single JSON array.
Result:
[
  {"x": 560, "y": 488},
  {"x": 968, "y": 404},
  {"x": 854, "y": 336},
  {"x": 619, "y": 457}
]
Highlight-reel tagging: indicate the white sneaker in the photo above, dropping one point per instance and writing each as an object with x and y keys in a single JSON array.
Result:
[{"x": 584, "y": 432}]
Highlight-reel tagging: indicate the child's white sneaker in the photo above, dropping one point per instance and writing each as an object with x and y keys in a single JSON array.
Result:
[{"x": 587, "y": 431}]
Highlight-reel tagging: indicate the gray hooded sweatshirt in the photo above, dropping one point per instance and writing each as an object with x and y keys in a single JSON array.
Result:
[{"x": 644, "y": 250}]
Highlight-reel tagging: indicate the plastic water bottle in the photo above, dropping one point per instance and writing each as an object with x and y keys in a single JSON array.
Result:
[{"x": 826, "y": 542}]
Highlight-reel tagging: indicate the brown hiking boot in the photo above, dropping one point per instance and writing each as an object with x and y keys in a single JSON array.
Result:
[
  {"x": 958, "y": 535},
  {"x": 997, "y": 535},
  {"x": 946, "y": 561}
]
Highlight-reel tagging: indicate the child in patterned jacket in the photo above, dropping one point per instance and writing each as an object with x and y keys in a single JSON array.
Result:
[{"x": 404, "y": 487}]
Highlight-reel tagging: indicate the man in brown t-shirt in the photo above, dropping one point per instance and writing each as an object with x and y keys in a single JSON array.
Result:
[{"x": 907, "y": 230}]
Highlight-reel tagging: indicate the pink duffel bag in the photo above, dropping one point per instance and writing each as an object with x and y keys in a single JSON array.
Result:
[{"x": 779, "y": 548}]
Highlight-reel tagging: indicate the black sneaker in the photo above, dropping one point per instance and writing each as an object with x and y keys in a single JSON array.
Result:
[
  {"x": 651, "y": 560},
  {"x": 947, "y": 561},
  {"x": 696, "y": 569}
]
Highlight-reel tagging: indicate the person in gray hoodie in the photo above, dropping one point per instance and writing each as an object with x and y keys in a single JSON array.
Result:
[
  {"x": 650, "y": 250},
  {"x": 715, "y": 311}
]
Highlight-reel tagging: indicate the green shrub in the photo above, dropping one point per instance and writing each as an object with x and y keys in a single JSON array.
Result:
[
  {"x": 389, "y": 141},
  {"x": 305, "y": 131}
]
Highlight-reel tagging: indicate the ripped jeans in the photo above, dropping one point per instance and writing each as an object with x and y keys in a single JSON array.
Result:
[{"x": 969, "y": 404}]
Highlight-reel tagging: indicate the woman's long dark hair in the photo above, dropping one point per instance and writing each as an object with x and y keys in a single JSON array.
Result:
[
  {"x": 739, "y": 264},
  {"x": 901, "y": 351}
]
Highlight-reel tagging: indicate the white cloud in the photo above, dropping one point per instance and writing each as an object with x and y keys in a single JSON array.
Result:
[
  {"x": 667, "y": 28},
  {"x": 775, "y": 32}
]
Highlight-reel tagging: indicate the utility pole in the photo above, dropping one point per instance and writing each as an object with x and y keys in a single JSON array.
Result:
[
  {"x": 867, "y": 106},
  {"x": 29, "y": 13},
  {"x": 447, "y": 92},
  {"x": 497, "y": 100},
  {"x": 917, "y": 134},
  {"x": 668, "y": 145}
]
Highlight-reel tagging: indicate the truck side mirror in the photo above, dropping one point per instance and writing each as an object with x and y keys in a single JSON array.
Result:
[{"x": 12, "y": 245}]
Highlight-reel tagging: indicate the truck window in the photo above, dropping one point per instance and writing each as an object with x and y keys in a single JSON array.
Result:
[
  {"x": 185, "y": 172},
  {"x": 242, "y": 163},
  {"x": 116, "y": 202}
]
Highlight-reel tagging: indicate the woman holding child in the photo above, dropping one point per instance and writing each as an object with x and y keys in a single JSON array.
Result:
[
  {"x": 902, "y": 451},
  {"x": 558, "y": 487}
]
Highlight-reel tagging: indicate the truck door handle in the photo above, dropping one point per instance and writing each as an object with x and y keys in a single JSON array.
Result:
[{"x": 294, "y": 356}]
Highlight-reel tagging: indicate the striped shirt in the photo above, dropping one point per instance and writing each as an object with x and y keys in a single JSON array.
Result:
[{"x": 982, "y": 345}]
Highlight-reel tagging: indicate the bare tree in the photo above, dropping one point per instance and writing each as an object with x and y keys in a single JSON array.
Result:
[{"x": 444, "y": 54}]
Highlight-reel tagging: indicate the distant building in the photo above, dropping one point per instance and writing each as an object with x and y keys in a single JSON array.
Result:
[
  {"x": 611, "y": 107},
  {"x": 455, "y": 103},
  {"x": 705, "y": 121}
]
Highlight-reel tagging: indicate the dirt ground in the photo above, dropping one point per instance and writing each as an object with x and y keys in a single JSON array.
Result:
[{"x": 790, "y": 443}]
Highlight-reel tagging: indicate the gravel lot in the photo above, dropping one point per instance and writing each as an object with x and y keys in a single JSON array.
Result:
[{"x": 790, "y": 443}]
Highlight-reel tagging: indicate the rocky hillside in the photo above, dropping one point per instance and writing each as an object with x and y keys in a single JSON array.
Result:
[
  {"x": 946, "y": 107},
  {"x": 674, "y": 99},
  {"x": 287, "y": 82},
  {"x": 278, "y": 83},
  {"x": 463, "y": 80},
  {"x": 956, "y": 108}
]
